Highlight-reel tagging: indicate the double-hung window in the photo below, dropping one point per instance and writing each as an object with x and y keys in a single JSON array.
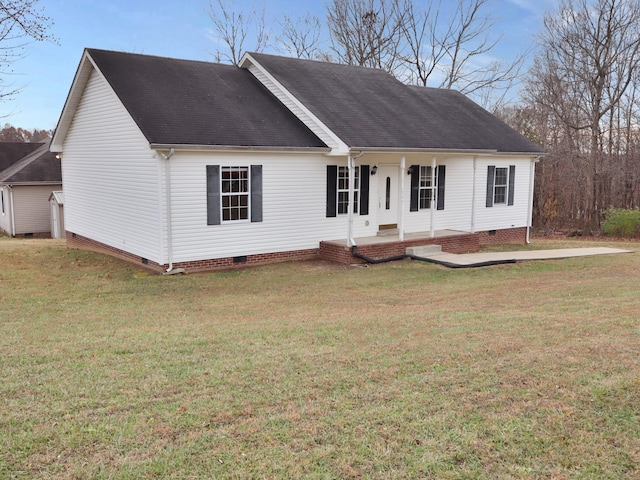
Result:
[
  {"x": 338, "y": 190},
  {"x": 234, "y": 193},
  {"x": 500, "y": 185},
  {"x": 427, "y": 191},
  {"x": 427, "y": 187},
  {"x": 343, "y": 190}
]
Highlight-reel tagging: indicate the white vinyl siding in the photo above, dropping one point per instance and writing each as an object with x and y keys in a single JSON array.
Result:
[
  {"x": 112, "y": 180},
  {"x": 31, "y": 208},
  {"x": 502, "y": 216},
  {"x": 457, "y": 214},
  {"x": 294, "y": 207}
]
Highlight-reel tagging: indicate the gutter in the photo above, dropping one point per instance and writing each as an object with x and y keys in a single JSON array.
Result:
[{"x": 236, "y": 148}]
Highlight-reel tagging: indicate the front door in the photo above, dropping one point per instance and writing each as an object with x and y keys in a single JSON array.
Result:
[{"x": 387, "y": 196}]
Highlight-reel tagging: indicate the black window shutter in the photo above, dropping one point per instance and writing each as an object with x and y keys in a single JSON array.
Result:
[
  {"x": 415, "y": 187},
  {"x": 512, "y": 179},
  {"x": 364, "y": 189},
  {"x": 332, "y": 190},
  {"x": 213, "y": 194},
  {"x": 442, "y": 169},
  {"x": 491, "y": 173},
  {"x": 256, "y": 193}
]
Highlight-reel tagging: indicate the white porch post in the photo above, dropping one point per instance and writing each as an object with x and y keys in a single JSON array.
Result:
[
  {"x": 432, "y": 229},
  {"x": 401, "y": 202},
  {"x": 351, "y": 165}
]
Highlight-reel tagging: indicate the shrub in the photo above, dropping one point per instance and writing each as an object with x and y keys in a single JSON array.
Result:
[{"x": 621, "y": 223}]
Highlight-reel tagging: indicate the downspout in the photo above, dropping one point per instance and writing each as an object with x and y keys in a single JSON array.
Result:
[
  {"x": 401, "y": 202},
  {"x": 432, "y": 227},
  {"x": 473, "y": 196},
  {"x": 351, "y": 164},
  {"x": 13, "y": 215},
  {"x": 532, "y": 171},
  {"x": 167, "y": 174}
]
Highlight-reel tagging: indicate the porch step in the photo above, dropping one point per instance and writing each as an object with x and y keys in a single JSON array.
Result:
[
  {"x": 424, "y": 250},
  {"x": 389, "y": 232}
]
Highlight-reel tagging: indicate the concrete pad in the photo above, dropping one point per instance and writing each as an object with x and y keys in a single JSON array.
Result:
[{"x": 472, "y": 259}]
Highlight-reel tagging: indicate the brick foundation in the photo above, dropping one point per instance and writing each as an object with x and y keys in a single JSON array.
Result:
[
  {"x": 83, "y": 243},
  {"x": 332, "y": 251},
  {"x": 341, "y": 253},
  {"x": 508, "y": 235}
]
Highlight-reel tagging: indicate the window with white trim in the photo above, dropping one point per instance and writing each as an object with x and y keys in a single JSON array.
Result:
[
  {"x": 343, "y": 190},
  {"x": 500, "y": 185},
  {"x": 427, "y": 187},
  {"x": 234, "y": 190}
]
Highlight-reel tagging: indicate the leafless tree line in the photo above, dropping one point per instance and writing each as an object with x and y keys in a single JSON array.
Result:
[
  {"x": 582, "y": 103},
  {"x": 420, "y": 43}
]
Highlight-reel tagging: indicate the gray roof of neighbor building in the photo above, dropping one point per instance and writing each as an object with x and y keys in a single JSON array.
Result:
[
  {"x": 12, "y": 152},
  {"x": 184, "y": 102},
  {"x": 38, "y": 166},
  {"x": 369, "y": 108}
]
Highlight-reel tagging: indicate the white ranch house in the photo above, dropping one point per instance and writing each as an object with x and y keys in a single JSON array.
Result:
[{"x": 186, "y": 166}]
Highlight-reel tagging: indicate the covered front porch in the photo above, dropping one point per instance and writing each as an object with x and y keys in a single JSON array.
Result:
[{"x": 388, "y": 244}]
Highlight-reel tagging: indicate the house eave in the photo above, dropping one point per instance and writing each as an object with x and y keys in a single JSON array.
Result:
[
  {"x": 238, "y": 148},
  {"x": 462, "y": 151},
  {"x": 33, "y": 183}
]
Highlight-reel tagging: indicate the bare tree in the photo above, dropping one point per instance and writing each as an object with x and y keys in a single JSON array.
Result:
[
  {"x": 301, "y": 37},
  {"x": 455, "y": 52},
  {"x": 366, "y": 32},
  {"x": 21, "y": 21},
  {"x": 585, "y": 78},
  {"x": 233, "y": 27}
]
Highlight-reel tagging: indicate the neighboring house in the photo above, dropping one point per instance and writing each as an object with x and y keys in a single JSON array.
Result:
[
  {"x": 180, "y": 164},
  {"x": 29, "y": 172}
]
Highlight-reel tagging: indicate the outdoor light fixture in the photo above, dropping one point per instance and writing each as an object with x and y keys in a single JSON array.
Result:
[{"x": 374, "y": 170}]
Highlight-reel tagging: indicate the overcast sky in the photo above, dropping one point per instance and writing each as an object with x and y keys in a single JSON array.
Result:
[{"x": 180, "y": 30}]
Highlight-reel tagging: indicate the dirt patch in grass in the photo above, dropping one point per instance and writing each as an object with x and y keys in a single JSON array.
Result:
[{"x": 312, "y": 370}]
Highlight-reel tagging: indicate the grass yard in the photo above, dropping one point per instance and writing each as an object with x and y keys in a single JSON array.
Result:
[{"x": 312, "y": 370}]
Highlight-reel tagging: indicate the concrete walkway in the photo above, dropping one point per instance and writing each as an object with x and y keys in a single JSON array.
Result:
[{"x": 490, "y": 258}]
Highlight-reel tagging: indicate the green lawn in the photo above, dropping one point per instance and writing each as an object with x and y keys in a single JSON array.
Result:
[{"x": 314, "y": 370}]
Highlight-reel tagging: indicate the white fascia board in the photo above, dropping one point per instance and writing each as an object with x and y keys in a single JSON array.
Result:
[
  {"x": 73, "y": 99},
  {"x": 314, "y": 124}
]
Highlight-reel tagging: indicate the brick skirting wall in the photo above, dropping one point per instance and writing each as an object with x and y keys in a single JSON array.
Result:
[
  {"x": 508, "y": 235},
  {"x": 464, "y": 243},
  {"x": 332, "y": 251},
  {"x": 83, "y": 243},
  {"x": 341, "y": 253}
]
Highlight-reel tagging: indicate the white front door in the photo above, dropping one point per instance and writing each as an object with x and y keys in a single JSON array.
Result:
[{"x": 388, "y": 195}]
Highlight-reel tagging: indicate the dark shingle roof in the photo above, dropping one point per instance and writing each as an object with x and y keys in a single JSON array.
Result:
[
  {"x": 38, "y": 166},
  {"x": 200, "y": 103},
  {"x": 369, "y": 108},
  {"x": 12, "y": 152}
]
